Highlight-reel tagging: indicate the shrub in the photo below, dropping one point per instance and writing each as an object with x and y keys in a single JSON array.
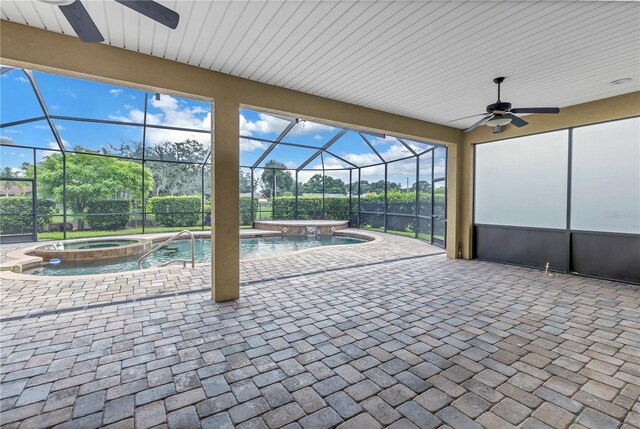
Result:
[
  {"x": 245, "y": 209},
  {"x": 310, "y": 207},
  {"x": 23, "y": 223},
  {"x": 118, "y": 220},
  {"x": 337, "y": 208},
  {"x": 176, "y": 211}
]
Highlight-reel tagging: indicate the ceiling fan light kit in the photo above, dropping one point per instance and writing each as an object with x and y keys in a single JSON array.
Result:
[{"x": 501, "y": 114}]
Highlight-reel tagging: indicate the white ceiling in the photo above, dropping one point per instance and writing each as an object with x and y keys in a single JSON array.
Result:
[{"x": 429, "y": 60}]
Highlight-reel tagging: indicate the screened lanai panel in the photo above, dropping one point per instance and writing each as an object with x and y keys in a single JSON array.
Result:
[
  {"x": 439, "y": 212},
  {"x": 389, "y": 147},
  {"x": 67, "y": 96},
  {"x": 251, "y": 150},
  {"x": 439, "y": 163},
  {"x": 80, "y": 136},
  {"x": 18, "y": 99},
  {"x": 288, "y": 156},
  {"x": 176, "y": 145},
  {"x": 372, "y": 186},
  {"x": 246, "y": 196},
  {"x": 310, "y": 133},
  {"x": 179, "y": 112},
  {"x": 353, "y": 148},
  {"x": 175, "y": 179},
  {"x": 310, "y": 194},
  {"x": 425, "y": 185},
  {"x": 50, "y": 183},
  {"x": 33, "y": 134},
  {"x": 261, "y": 125},
  {"x": 418, "y": 146},
  {"x": 170, "y": 180},
  {"x": 336, "y": 194},
  {"x": 330, "y": 163},
  {"x": 283, "y": 197},
  {"x": 15, "y": 162},
  {"x": 401, "y": 176}
]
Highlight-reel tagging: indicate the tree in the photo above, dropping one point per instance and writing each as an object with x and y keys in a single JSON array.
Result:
[
  {"x": 424, "y": 186},
  {"x": 313, "y": 185},
  {"x": 91, "y": 178},
  {"x": 8, "y": 172},
  {"x": 245, "y": 182},
  {"x": 169, "y": 178},
  {"x": 332, "y": 185},
  {"x": 375, "y": 187},
  {"x": 283, "y": 178}
]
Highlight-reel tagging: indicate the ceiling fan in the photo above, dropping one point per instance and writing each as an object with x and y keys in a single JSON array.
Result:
[
  {"x": 86, "y": 29},
  {"x": 500, "y": 113}
]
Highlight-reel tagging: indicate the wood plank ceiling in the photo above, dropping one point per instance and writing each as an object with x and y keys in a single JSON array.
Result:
[{"x": 429, "y": 60}]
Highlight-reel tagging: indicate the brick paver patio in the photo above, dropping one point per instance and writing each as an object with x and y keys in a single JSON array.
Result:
[{"x": 385, "y": 334}]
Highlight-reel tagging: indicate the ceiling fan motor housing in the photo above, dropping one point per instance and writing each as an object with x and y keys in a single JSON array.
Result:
[{"x": 501, "y": 107}]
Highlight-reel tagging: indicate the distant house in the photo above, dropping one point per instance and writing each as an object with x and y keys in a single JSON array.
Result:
[
  {"x": 263, "y": 198},
  {"x": 12, "y": 189}
]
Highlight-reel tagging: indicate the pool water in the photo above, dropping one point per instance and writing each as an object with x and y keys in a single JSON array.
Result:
[
  {"x": 181, "y": 249},
  {"x": 88, "y": 245}
]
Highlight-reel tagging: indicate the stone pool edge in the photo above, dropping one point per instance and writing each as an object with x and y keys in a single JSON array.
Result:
[{"x": 14, "y": 269}]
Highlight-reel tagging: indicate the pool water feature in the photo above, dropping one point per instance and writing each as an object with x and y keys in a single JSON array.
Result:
[{"x": 181, "y": 249}]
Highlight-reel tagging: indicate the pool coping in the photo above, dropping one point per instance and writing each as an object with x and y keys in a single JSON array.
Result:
[{"x": 14, "y": 269}]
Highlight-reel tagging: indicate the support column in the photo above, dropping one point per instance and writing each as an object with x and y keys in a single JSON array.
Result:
[
  {"x": 465, "y": 199},
  {"x": 225, "y": 201}
]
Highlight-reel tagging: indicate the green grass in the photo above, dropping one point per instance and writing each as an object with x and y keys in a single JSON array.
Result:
[{"x": 91, "y": 234}]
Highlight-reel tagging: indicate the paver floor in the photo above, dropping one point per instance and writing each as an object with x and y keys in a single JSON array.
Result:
[{"x": 390, "y": 334}]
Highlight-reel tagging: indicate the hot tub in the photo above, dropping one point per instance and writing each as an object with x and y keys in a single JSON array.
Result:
[{"x": 84, "y": 250}]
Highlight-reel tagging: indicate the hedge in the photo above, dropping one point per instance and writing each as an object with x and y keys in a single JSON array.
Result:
[
  {"x": 245, "y": 209},
  {"x": 176, "y": 211},
  {"x": 112, "y": 221},
  {"x": 23, "y": 224},
  {"x": 310, "y": 208}
]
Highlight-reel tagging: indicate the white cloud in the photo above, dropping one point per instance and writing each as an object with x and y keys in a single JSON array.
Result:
[
  {"x": 247, "y": 145},
  {"x": 53, "y": 145},
  {"x": 329, "y": 163},
  {"x": 172, "y": 113},
  {"x": 6, "y": 140},
  {"x": 307, "y": 127},
  {"x": 12, "y": 131},
  {"x": 115, "y": 92},
  {"x": 266, "y": 124},
  {"x": 22, "y": 79}
]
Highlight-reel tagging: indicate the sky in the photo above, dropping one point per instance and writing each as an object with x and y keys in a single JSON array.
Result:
[{"x": 65, "y": 96}]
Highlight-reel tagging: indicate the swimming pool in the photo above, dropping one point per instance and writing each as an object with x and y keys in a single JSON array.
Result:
[{"x": 181, "y": 249}]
